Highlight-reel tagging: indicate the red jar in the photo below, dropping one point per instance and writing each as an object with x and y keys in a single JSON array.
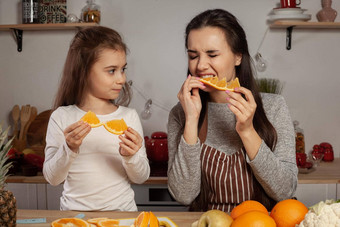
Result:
[{"x": 328, "y": 155}]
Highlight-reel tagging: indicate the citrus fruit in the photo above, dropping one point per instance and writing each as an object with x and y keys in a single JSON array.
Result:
[
  {"x": 153, "y": 220},
  {"x": 66, "y": 222},
  {"x": 253, "y": 219},
  {"x": 95, "y": 220},
  {"x": 142, "y": 220},
  {"x": 221, "y": 84},
  {"x": 246, "y": 206},
  {"x": 108, "y": 222},
  {"x": 288, "y": 213},
  {"x": 91, "y": 119},
  {"x": 116, "y": 126}
]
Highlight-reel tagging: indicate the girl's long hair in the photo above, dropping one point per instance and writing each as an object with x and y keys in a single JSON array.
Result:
[
  {"x": 236, "y": 38},
  {"x": 84, "y": 51}
]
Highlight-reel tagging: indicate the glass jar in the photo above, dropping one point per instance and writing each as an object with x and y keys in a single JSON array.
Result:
[
  {"x": 91, "y": 12},
  {"x": 30, "y": 11},
  {"x": 299, "y": 138}
]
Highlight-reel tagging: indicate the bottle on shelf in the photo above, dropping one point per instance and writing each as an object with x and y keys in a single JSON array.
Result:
[
  {"x": 299, "y": 138},
  {"x": 91, "y": 12},
  {"x": 30, "y": 11}
]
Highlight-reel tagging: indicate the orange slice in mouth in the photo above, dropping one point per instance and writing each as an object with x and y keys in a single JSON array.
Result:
[
  {"x": 221, "y": 85},
  {"x": 91, "y": 119},
  {"x": 116, "y": 126}
]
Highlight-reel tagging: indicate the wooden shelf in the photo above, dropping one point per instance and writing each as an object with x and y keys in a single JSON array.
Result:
[
  {"x": 289, "y": 25},
  {"x": 35, "y": 27},
  {"x": 300, "y": 24},
  {"x": 19, "y": 28}
]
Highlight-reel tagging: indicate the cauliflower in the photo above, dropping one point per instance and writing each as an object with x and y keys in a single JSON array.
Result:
[{"x": 322, "y": 214}]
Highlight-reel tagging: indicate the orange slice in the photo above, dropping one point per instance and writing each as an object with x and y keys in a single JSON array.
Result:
[
  {"x": 91, "y": 119},
  {"x": 108, "y": 223},
  {"x": 142, "y": 220},
  {"x": 153, "y": 220},
  {"x": 66, "y": 222},
  {"x": 221, "y": 85},
  {"x": 116, "y": 126},
  {"x": 95, "y": 220}
]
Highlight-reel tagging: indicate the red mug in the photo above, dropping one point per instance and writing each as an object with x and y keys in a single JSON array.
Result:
[{"x": 290, "y": 3}]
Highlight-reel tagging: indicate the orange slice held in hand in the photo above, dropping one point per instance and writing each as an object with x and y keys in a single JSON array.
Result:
[
  {"x": 65, "y": 222},
  {"x": 116, "y": 126},
  {"x": 221, "y": 85},
  {"x": 91, "y": 119}
]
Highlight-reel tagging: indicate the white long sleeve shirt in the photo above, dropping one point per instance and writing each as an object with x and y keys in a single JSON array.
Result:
[{"x": 97, "y": 177}]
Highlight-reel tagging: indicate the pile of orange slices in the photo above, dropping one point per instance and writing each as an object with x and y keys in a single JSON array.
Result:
[
  {"x": 114, "y": 126},
  {"x": 144, "y": 219},
  {"x": 221, "y": 85}
]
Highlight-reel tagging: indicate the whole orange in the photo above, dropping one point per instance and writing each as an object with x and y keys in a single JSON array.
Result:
[
  {"x": 246, "y": 206},
  {"x": 288, "y": 213},
  {"x": 253, "y": 219}
]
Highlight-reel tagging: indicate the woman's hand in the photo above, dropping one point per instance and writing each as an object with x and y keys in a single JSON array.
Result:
[
  {"x": 75, "y": 133},
  {"x": 189, "y": 97},
  {"x": 191, "y": 103},
  {"x": 243, "y": 108},
  {"x": 131, "y": 142}
]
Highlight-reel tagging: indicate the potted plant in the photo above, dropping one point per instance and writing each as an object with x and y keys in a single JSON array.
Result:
[{"x": 269, "y": 85}]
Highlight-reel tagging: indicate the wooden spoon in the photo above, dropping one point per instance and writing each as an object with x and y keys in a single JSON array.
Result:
[
  {"x": 34, "y": 113},
  {"x": 15, "y": 116},
  {"x": 24, "y": 118}
]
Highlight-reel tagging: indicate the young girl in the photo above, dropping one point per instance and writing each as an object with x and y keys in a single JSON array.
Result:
[
  {"x": 95, "y": 165},
  {"x": 227, "y": 147}
]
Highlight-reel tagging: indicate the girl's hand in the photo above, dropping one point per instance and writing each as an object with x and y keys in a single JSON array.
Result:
[
  {"x": 131, "y": 142},
  {"x": 189, "y": 97},
  {"x": 243, "y": 108},
  {"x": 75, "y": 133}
]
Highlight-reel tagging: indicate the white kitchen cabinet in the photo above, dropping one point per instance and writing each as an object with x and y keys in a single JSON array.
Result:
[
  {"x": 310, "y": 194},
  {"x": 28, "y": 196},
  {"x": 53, "y": 194}
]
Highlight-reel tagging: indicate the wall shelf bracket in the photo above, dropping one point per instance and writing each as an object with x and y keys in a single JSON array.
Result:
[
  {"x": 18, "y": 35},
  {"x": 289, "y": 37}
]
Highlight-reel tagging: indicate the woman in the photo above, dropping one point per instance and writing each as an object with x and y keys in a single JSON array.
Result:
[{"x": 227, "y": 147}]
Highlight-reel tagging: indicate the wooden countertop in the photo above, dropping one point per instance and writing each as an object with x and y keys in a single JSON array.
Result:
[
  {"x": 324, "y": 173},
  {"x": 182, "y": 219},
  {"x": 41, "y": 180}
]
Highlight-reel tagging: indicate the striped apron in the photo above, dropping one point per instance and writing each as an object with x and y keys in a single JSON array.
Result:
[{"x": 229, "y": 178}]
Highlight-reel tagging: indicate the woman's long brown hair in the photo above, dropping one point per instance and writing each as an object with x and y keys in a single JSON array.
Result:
[
  {"x": 84, "y": 51},
  {"x": 236, "y": 38}
]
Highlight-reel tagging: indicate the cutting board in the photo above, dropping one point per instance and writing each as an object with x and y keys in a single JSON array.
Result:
[{"x": 36, "y": 132}]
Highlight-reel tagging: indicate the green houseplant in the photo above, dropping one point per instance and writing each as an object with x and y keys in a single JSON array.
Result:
[
  {"x": 269, "y": 85},
  {"x": 7, "y": 200}
]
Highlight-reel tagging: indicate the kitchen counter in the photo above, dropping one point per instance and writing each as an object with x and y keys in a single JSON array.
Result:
[
  {"x": 41, "y": 180},
  {"x": 182, "y": 219},
  {"x": 324, "y": 173}
]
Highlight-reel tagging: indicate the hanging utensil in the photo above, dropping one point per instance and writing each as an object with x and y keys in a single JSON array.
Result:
[
  {"x": 34, "y": 113},
  {"x": 24, "y": 118},
  {"x": 15, "y": 116}
]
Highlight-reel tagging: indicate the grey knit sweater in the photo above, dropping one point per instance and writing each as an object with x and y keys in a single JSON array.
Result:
[{"x": 275, "y": 171}]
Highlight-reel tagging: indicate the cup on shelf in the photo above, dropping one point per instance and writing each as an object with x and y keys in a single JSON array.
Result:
[{"x": 289, "y": 3}]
